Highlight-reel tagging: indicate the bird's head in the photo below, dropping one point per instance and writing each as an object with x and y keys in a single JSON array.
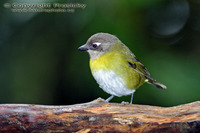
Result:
[{"x": 99, "y": 44}]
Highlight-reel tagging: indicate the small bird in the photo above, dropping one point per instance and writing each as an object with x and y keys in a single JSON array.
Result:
[{"x": 115, "y": 68}]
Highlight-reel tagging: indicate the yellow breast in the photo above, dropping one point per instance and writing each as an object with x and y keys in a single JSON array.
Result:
[{"x": 116, "y": 62}]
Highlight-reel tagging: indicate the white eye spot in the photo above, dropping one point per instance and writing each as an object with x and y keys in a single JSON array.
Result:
[{"x": 97, "y": 43}]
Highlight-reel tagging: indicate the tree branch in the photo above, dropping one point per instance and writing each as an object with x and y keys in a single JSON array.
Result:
[{"x": 98, "y": 116}]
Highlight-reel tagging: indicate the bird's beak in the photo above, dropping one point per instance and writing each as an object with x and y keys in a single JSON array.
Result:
[{"x": 83, "y": 48}]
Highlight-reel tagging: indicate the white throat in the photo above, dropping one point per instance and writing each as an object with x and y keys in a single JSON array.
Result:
[{"x": 95, "y": 54}]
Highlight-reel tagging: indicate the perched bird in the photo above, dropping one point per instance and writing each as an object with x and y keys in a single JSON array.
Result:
[{"x": 115, "y": 68}]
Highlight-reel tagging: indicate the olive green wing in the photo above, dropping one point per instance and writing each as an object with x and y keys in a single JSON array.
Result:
[
  {"x": 141, "y": 69},
  {"x": 137, "y": 66},
  {"x": 133, "y": 62}
]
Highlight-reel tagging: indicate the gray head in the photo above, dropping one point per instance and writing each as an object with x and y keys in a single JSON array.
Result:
[{"x": 99, "y": 44}]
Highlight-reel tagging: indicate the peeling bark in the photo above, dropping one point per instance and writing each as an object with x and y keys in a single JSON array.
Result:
[{"x": 98, "y": 116}]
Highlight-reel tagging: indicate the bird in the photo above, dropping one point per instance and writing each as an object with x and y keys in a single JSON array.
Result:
[{"x": 114, "y": 67}]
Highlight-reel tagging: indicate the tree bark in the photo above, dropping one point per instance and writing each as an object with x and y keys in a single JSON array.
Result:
[{"x": 98, "y": 116}]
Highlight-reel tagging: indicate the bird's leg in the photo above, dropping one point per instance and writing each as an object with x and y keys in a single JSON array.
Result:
[
  {"x": 131, "y": 98},
  {"x": 107, "y": 100}
]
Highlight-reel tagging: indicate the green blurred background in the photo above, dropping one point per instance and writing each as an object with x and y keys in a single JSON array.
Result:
[{"x": 40, "y": 64}]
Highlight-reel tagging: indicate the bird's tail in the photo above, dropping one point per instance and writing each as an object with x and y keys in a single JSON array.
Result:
[{"x": 155, "y": 83}]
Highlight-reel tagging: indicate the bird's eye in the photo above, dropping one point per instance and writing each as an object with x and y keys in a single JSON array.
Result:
[{"x": 94, "y": 45}]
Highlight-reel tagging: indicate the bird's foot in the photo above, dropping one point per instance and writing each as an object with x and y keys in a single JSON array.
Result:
[
  {"x": 100, "y": 99},
  {"x": 123, "y": 102}
]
